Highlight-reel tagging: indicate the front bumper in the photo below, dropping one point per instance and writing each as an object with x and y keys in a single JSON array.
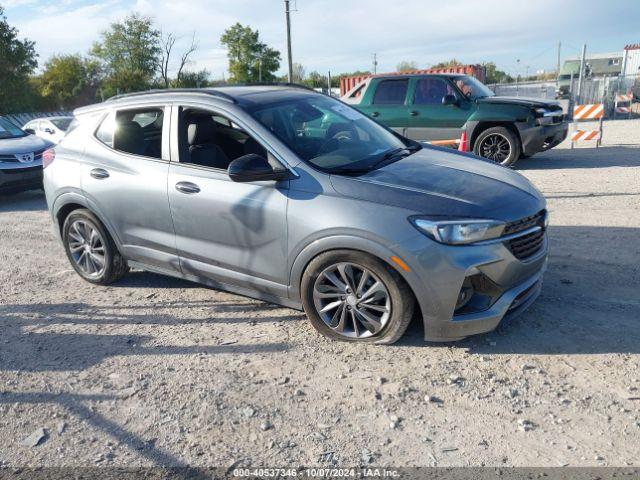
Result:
[
  {"x": 539, "y": 138},
  {"x": 20, "y": 179},
  {"x": 439, "y": 275}
]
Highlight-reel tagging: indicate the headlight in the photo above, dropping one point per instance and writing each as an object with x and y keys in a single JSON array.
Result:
[{"x": 459, "y": 232}]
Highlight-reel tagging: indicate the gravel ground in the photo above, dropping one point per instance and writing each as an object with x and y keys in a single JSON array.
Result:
[{"x": 158, "y": 371}]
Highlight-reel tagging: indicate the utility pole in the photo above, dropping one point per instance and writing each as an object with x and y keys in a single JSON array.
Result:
[
  {"x": 287, "y": 12},
  {"x": 558, "y": 68},
  {"x": 329, "y": 83},
  {"x": 581, "y": 72},
  {"x": 375, "y": 63}
]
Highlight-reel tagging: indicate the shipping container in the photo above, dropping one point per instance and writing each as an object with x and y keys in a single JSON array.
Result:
[{"x": 478, "y": 71}]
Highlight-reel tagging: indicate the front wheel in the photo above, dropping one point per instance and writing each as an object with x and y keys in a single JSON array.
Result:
[
  {"x": 498, "y": 144},
  {"x": 352, "y": 296}
]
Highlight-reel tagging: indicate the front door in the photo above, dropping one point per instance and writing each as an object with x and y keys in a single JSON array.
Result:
[
  {"x": 386, "y": 102},
  {"x": 227, "y": 232},
  {"x": 429, "y": 118}
]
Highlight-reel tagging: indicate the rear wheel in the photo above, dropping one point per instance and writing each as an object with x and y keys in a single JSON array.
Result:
[
  {"x": 91, "y": 250},
  {"x": 498, "y": 144},
  {"x": 352, "y": 296}
]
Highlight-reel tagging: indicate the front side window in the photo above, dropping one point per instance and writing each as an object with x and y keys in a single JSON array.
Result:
[
  {"x": 328, "y": 134},
  {"x": 9, "y": 130},
  {"x": 391, "y": 92},
  {"x": 471, "y": 87},
  {"x": 431, "y": 90},
  {"x": 211, "y": 140},
  {"x": 137, "y": 131}
]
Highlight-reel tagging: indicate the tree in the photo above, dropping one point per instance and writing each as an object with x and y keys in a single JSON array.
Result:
[
  {"x": 449, "y": 63},
  {"x": 250, "y": 60},
  {"x": 299, "y": 73},
  {"x": 69, "y": 81},
  {"x": 18, "y": 60},
  {"x": 129, "y": 55},
  {"x": 167, "y": 43},
  {"x": 407, "y": 66},
  {"x": 189, "y": 79},
  {"x": 493, "y": 75}
]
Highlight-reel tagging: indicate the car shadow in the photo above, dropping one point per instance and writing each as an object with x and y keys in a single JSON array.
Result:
[
  {"x": 30, "y": 201},
  {"x": 602, "y": 157},
  {"x": 590, "y": 301},
  {"x": 29, "y": 347}
]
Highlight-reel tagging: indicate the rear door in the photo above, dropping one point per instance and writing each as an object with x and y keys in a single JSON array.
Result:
[
  {"x": 429, "y": 119},
  {"x": 386, "y": 101},
  {"x": 124, "y": 176}
]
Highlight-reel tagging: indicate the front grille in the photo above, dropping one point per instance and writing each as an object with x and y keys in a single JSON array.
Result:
[
  {"x": 524, "y": 223},
  {"x": 21, "y": 170},
  {"x": 529, "y": 244},
  {"x": 12, "y": 158}
]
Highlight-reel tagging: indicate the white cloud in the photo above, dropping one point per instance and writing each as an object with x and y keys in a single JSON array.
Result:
[{"x": 340, "y": 35}]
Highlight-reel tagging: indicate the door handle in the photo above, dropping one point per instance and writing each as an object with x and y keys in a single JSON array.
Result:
[
  {"x": 99, "y": 173},
  {"x": 375, "y": 114},
  {"x": 414, "y": 113},
  {"x": 187, "y": 187}
]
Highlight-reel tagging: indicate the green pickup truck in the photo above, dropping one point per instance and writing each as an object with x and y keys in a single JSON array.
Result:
[{"x": 441, "y": 107}]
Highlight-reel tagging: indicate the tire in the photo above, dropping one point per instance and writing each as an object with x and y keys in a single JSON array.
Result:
[
  {"x": 487, "y": 143},
  {"x": 78, "y": 225},
  {"x": 355, "y": 325}
]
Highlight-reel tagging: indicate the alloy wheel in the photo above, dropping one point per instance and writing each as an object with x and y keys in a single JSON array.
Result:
[
  {"x": 495, "y": 147},
  {"x": 86, "y": 246},
  {"x": 351, "y": 300}
]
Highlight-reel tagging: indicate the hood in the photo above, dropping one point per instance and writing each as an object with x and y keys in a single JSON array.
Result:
[
  {"x": 527, "y": 102},
  {"x": 436, "y": 182},
  {"x": 26, "y": 144}
]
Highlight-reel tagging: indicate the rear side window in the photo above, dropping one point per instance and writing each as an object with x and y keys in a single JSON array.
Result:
[
  {"x": 391, "y": 92},
  {"x": 138, "y": 131}
]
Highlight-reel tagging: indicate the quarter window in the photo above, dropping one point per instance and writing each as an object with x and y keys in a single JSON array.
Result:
[{"x": 391, "y": 92}]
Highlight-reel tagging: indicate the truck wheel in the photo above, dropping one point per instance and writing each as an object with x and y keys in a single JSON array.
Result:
[{"x": 498, "y": 144}]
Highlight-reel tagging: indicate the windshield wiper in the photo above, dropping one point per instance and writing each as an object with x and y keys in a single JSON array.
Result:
[{"x": 394, "y": 155}]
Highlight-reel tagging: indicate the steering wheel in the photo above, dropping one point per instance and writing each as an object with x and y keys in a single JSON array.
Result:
[{"x": 336, "y": 141}]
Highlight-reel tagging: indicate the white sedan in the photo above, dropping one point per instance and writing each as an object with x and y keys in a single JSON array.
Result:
[{"x": 49, "y": 128}]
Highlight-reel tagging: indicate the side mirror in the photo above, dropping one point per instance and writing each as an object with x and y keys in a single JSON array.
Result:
[
  {"x": 450, "y": 100},
  {"x": 30, "y": 131},
  {"x": 254, "y": 168},
  {"x": 49, "y": 131}
]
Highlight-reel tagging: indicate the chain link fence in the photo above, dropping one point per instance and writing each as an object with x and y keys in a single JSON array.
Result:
[{"x": 592, "y": 90}]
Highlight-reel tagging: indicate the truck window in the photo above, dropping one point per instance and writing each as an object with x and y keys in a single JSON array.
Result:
[
  {"x": 429, "y": 91},
  {"x": 391, "y": 92}
]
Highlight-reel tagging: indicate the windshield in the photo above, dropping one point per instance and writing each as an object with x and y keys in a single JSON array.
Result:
[
  {"x": 472, "y": 88},
  {"x": 9, "y": 130},
  {"x": 62, "y": 123},
  {"x": 330, "y": 135}
]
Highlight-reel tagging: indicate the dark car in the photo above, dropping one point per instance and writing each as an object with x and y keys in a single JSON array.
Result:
[
  {"x": 440, "y": 107},
  {"x": 20, "y": 158}
]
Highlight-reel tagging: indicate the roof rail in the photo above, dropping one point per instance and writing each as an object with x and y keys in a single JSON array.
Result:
[
  {"x": 205, "y": 91},
  {"x": 272, "y": 84}
]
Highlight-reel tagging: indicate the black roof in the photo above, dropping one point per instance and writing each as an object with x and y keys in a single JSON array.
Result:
[{"x": 251, "y": 93}]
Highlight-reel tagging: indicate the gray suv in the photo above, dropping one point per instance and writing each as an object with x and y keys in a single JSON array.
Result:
[{"x": 295, "y": 198}]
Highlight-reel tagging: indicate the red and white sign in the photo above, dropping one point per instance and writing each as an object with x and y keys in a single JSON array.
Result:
[
  {"x": 623, "y": 109},
  {"x": 625, "y": 97},
  {"x": 584, "y": 135},
  {"x": 593, "y": 111}
]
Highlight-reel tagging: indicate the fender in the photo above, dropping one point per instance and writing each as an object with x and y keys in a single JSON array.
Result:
[
  {"x": 74, "y": 197},
  {"x": 365, "y": 245}
]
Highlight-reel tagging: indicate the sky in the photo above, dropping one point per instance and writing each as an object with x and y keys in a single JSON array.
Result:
[{"x": 342, "y": 35}]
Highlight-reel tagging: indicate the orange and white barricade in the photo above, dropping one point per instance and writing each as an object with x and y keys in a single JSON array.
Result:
[
  {"x": 594, "y": 111},
  {"x": 622, "y": 104}
]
